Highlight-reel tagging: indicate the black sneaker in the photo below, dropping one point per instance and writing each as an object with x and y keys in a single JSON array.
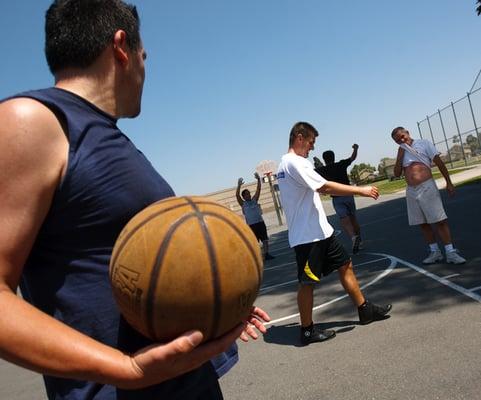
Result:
[
  {"x": 370, "y": 312},
  {"x": 312, "y": 335},
  {"x": 268, "y": 257}
]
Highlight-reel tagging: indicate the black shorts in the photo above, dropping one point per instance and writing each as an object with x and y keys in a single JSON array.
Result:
[
  {"x": 318, "y": 259},
  {"x": 259, "y": 230}
]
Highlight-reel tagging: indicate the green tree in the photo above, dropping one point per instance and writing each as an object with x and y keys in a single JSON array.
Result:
[
  {"x": 354, "y": 174},
  {"x": 472, "y": 142},
  {"x": 358, "y": 169},
  {"x": 382, "y": 166}
]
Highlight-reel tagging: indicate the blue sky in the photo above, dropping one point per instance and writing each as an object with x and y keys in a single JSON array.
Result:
[{"x": 227, "y": 79}]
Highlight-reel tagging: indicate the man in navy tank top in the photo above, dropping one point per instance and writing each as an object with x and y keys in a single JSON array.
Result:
[{"x": 70, "y": 181}]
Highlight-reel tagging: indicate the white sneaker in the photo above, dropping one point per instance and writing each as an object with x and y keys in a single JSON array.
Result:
[
  {"x": 452, "y": 257},
  {"x": 433, "y": 257}
]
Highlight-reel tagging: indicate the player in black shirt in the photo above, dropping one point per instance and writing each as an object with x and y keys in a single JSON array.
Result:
[{"x": 344, "y": 205}]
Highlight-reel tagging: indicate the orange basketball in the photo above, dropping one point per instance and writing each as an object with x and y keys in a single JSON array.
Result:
[{"x": 185, "y": 263}]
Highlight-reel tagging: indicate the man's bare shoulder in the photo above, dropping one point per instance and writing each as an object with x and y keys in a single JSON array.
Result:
[
  {"x": 24, "y": 111},
  {"x": 31, "y": 132}
]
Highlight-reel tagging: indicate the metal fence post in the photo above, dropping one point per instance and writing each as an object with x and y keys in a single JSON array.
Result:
[
  {"x": 474, "y": 119},
  {"x": 445, "y": 139},
  {"x": 459, "y": 133},
  {"x": 419, "y": 130},
  {"x": 430, "y": 130}
]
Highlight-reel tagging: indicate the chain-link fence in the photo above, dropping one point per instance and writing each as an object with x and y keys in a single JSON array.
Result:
[{"x": 455, "y": 130}]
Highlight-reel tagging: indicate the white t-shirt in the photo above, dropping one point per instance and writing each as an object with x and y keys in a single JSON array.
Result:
[
  {"x": 298, "y": 184},
  {"x": 420, "y": 150}
]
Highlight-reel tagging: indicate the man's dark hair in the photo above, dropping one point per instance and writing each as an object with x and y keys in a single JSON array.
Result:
[
  {"x": 396, "y": 130},
  {"x": 328, "y": 156},
  {"x": 244, "y": 192},
  {"x": 77, "y": 31},
  {"x": 303, "y": 128}
]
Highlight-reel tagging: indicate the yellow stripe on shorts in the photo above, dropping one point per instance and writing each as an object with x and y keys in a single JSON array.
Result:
[{"x": 309, "y": 273}]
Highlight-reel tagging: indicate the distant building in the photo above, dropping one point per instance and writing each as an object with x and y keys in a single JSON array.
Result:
[
  {"x": 386, "y": 167},
  {"x": 456, "y": 152},
  {"x": 365, "y": 176}
]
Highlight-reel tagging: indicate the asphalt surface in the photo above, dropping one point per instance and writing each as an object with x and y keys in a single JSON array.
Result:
[{"x": 430, "y": 347}]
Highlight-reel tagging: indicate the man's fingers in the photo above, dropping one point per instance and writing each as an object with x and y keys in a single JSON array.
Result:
[
  {"x": 260, "y": 313},
  {"x": 258, "y": 324}
]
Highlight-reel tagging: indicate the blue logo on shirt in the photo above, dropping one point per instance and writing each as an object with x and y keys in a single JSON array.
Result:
[{"x": 280, "y": 175}]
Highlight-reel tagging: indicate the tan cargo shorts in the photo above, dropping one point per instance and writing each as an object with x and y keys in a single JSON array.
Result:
[{"x": 424, "y": 204}]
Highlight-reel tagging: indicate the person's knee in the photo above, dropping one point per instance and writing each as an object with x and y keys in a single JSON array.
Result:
[
  {"x": 305, "y": 289},
  {"x": 347, "y": 267},
  {"x": 444, "y": 222}
]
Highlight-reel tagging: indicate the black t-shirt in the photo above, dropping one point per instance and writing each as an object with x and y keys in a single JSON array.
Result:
[{"x": 335, "y": 172}]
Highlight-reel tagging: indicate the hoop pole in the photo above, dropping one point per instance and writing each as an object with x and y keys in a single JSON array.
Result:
[{"x": 274, "y": 198}]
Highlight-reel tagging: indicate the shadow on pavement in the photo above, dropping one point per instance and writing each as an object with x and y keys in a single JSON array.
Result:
[{"x": 288, "y": 335}]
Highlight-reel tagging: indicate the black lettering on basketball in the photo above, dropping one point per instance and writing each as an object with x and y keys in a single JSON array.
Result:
[
  {"x": 126, "y": 281},
  {"x": 244, "y": 301}
]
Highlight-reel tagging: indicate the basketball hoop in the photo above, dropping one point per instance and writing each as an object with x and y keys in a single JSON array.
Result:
[{"x": 266, "y": 167}]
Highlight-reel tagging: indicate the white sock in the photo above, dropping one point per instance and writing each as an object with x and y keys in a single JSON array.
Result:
[
  {"x": 449, "y": 248},
  {"x": 433, "y": 247}
]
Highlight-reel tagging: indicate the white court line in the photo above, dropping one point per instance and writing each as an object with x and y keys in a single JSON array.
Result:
[
  {"x": 475, "y": 289},
  {"x": 287, "y": 249},
  {"x": 337, "y": 232},
  {"x": 279, "y": 266},
  {"x": 269, "y": 288},
  {"x": 380, "y": 276},
  {"x": 450, "y": 276},
  {"x": 282, "y": 253},
  {"x": 293, "y": 262},
  {"x": 460, "y": 289}
]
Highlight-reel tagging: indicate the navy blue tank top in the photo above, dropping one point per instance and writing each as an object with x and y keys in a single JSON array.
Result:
[{"x": 107, "y": 181}]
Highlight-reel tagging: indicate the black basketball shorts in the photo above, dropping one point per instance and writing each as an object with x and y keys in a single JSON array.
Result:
[
  {"x": 318, "y": 259},
  {"x": 260, "y": 230}
]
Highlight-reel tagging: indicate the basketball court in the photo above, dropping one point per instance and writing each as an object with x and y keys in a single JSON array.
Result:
[{"x": 430, "y": 347}]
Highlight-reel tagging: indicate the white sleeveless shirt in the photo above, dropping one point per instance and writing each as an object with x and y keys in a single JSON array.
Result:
[{"x": 252, "y": 212}]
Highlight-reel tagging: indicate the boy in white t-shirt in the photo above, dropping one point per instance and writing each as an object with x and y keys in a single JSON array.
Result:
[
  {"x": 424, "y": 204},
  {"x": 318, "y": 252}
]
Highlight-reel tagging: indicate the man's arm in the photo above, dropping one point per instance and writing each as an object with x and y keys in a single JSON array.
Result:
[
  {"x": 354, "y": 152},
  {"x": 398, "y": 167},
  {"x": 33, "y": 155},
  {"x": 240, "y": 200},
  {"x": 339, "y": 189},
  {"x": 444, "y": 171},
  {"x": 258, "y": 188}
]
